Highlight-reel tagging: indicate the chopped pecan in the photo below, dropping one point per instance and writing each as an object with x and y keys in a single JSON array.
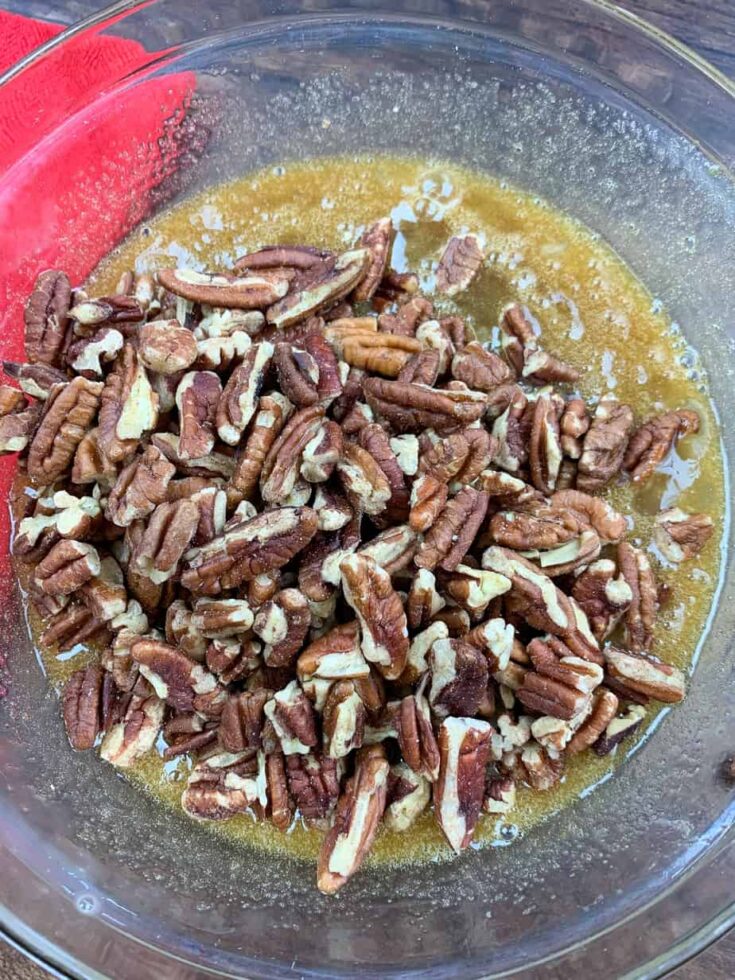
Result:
[
  {"x": 214, "y": 465},
  {"x": 619, "y": 728},
  {"x": 225, "y": 784},
  {"x": 479, "y": 368},
  {"x": 67, "y": 567},
  {"x": 249, "y": 548},
  {"x": 496, "y": 639},
  {"x": 282, "y": 465},
  {"x": 378, "y": 239},
  {"x": 140, "y": 487},
  {"x": 367, "y": 588},
  {"x": 222, "y": 290},
  {"x": 135, "y": 735},
  {"x": 544, "y": 451},
  {"x": 282, "y": 624},
  {"x": 67, "y": 416},
  {"x": 451, "y": 535},
  {"x": 343, "y": 720},
  {"x": 432, "y": 336},
  {"x": 604, "y": 445},
  {"x": 459, "y": 676},
  {"x": 273, "y": 412},
  {"x": 232, "y": 660},
  {"x": 18, "y": 421},
  {"x": 82, "y": 706},
  {"x": 679, "y": 535},
  {"x": 73, "y": 624},
  {"x": 413, "y": 407},
  {"x": 654, "y": 679},
  {"x": 604, "y": 709},
  {"x": 166, "y": 537},
  {"x": 392, "y": 549},
  {"x": 242, "y": 720},
  {"x": 128, "y": 406},
  {"x": 464, "y": 746},
  {"x": 181, "y": 631},
  {"x": 641, "y": 614},
  {"x": 327, "y": 290},
  {"x": 417, "y": 663},
  {"x": 221, "y": 353},
  {"x": 239, "y": 400},
  {"x": 166, "y": 347},
  {"x": 395, "y": 287},
  {"x": 408, "y": 797},
  {"x": 334, "y": 656},
  {"x": 359, "y": 810},
  {"x": 293, "y": 718},
  {"x": 332, "y": 508},
  {"x": 363, "y": 479},
  {"x": 603, "y": 597},
  {"x": 573, "y": 425},
  {"x": 456, "y": 620},
  {"x": 460, "y": 262},
  {"x": 651, "y": 443},
  {"x": 560, "y": 684},
  {"x": 537, "y": 768},
  {"x": 87, "y": 355},
  {"x": 544, "y": 606},
  {"x": 313, "y": 782},
  {"x": 187, "y": 733},
  {"x": 91, "y": 465},
  {"x": 407, "y": 318},
  {"x": 46, "y": 318},
  {"x": 197, "y": 398},
  {"x": 89, "y": 314}
]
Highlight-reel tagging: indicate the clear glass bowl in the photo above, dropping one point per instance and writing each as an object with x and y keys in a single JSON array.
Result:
[{"x": 582, "y": 104}]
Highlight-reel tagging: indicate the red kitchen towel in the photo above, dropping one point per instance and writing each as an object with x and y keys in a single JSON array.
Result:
[{"x": 69, "y": 195}]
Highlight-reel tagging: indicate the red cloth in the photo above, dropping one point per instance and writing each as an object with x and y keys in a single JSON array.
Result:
[{"x": 68, "y": 196}]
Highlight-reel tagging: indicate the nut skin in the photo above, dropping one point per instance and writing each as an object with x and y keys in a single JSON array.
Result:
[
  {"x": 413, "y": 408},
  {"x": 460, "y": 262},
  {"x": 67, "y": 416},
  {"x": 651, "y": 443},
  {"x": 46, "y": 318},
  {"x": 359, "y": 810},
  {"x": 604, "y": 445},
  {"x": 166, "y": 347},
  {"x": 367, "y": 588},
  {"x": 464, "y": 747}
]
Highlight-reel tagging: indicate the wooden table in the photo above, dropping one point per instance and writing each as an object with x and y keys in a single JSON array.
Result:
[{"x": 708, "y": 26}]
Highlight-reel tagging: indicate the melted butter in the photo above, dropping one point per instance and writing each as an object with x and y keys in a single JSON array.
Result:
[{"x": 590, "y": 310}]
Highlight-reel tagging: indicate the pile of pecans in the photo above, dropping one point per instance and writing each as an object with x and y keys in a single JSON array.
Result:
[{"x": 344, "y": 556}]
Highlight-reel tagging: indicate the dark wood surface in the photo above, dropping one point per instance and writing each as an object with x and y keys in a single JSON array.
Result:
[{"x": 708, "y": 26}]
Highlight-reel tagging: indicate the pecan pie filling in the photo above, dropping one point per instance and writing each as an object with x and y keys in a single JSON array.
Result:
[{"x": 377, "y": 497}]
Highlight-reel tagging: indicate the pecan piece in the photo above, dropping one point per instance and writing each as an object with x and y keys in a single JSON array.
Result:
[
  {"x": 332, "y": 509},
  {"x": 343, "y": 720},
  {"x": 282, "y": 624},
  {"x": 374, "y": 439},
  {"x": 459, "y": 458},
  {"x": 90, "y": 464},
  {"x": 607, "y": 522},
  {"x": 378, "y": 239},
  {"x": 500, "y": 795},
  {"x": 544, "y": 451},
  {"x": 168, "y": 534},
  {"x": 298, "y": 258},
  {"x": 67, "y": 567},
  {"x": 367, "y": 588},
  {"x": 392, "y": 549},
  {"x": 135, "y": 735},
  {"x": 652, "y": 678},
  {"x": 282, "y": 465},
  {"x": 313, "y": 782},
  {"x": 185, "y": 685},
  {"x": 363, "y": 479},
  {"x": 281, "y": 807},
  {"x": 225, "y": 784},
  {"x": 573, "y": 425},
  {"x": 197, "y": 399},
  {"x": 322, "y": 453},
  {"x": 36, "y": 380},
  {"x": 641, "y": 614},
  {"x": 460, "y": 262},
  {"x": 544, "y": 606},
  {"x": 249, "y": 548},
  {"x": 82, "y": 707},
  {"x": 560, "y": 684},
  {"x": 459, "y": 676},
  {"x": 413, "y": 407},
  {"x": 140, "y": 487},
  {"x": 166, "y": 347},
  {"x": 416, "y": 736},
  {"x": 604, "y": 709},
  {"x": 46, "y": 318},
  {"x": 651, "y": 443},
  {"x": 298, "y": 374},
  {"x": 479, "y": 368},
  {"x": 359, "y": 810},
  {"x": 423, "y": 601},
  {"x": 242, "y": 720},
  {"x": 222, "y": 290},
  {"x": 87, "y": 355},
  {"x": 473, "y": 588},
  {"x": 293, "y": 718},
  {"x": 451, "y": 535},
  {"x": 428, "y": 499},
  {"x": 362, "y": 347},
  {"x": 327, "y": 290},
  {"x": 464, "y": 746},
  {"x": 221, "y": 618},
  {"x": 408, "y": 797},
  {"x": 18, "y": 421},
  {"x": 604, "y": 445},
  {"x": 407, "y": 317},
  {"x": 68, "y": 414},
  {"x": 679, "y": 535},
  {"x": 603, "y": 597},
  {"x": 273, "y": 412},
  {"x": 239, "y": 400},
  {"x": 334, "y": 656},
  {"x": 92, "y": 313},
  {"x": 128, "y": 407},
  {"x": 619, "y": 728},
  {"x": 421, "y": 368},
  {"x": 511, "y": 432}
]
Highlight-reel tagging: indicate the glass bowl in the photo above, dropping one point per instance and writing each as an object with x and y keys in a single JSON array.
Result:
[{"x": 585, "y": 106}]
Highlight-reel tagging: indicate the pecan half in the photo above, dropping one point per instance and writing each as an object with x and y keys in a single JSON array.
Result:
[
  {"x": 654, "y": 679},
  {"x": 416, "y": 737},
  {"x": 359, "y": 810},
  {"x": 293, "y": 718},
  {"x": 166, "y": 347},
  {"x": 46, "y": 318},
  {"x": 459, "y": 676},
  {"x": 322, "y": 453},
  {"x": 249, "y": 548},
  {"x": 242, "y": 720},
  {"x": 128, "y": 407},
  {"x": 378, "y": 239},
  {"x": 225, "y": 784},
  {"x": 604, "y": 709},
  {"x": 460, "y": 262},
  {"x": 68, "y": 414},
  {"x": 335, "y": 656},
  {"x": 313, "y": 782},
  {"x": 282, "y": 465},
  {"x": 681, "y": 536},
  {"x": 374, "y": 439},
  {"x": 197, "y": 399},
  {"x": 67, "y": 567},
  {"x": 135, "y": 735},
  {"x": 281, "y": 808},
  {"x": 165, "y": 539},
  {"x": 273, "y": 412},
  {"x": 479, "y": 368},
  {"x": 239, "y": 400},
  {"x": 18, "y": 421},
  {"x": 604, "y": 445},
  {"x": 140, "y": 487},
  {"x": 428, "y": 499},
  {"x": 282, "y": 624},
  {"x": 511, "y": 432},
  {"x": 222, "y": 290},
  {"x": 299, "y": 258},
  {"x": 652, "y": 442},
  {"x": 413, "y": 407},
  {"x": 367, "y": 588},
  {"x": 452, "y": 533},
  {"x": 640, "y": 616},
  {"x": 464, "y": 746},
  {"x": 298, "y": 374},
  {"x": 603, "y": 596},
  {"x": 421, "y": 368},
  {"x": 607, "y": 522},
  {"x": 82, "y": 706},
  {"x": 362, "y": 347},
  {"x": 560, "y": 684},
  {"x": 544, "y": 450},
  {"x": 185, "y": 685},
  {"x": 332, "y": 286},
  {"x": 221, "y": 618},
  {"x": 544, "y": 606}
]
